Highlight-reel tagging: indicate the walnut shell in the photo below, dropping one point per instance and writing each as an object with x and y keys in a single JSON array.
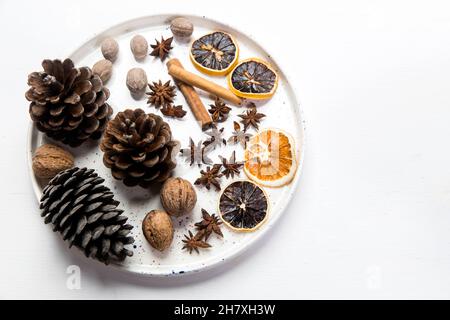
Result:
[
  {"x": 158, "y": 229},
  {"x": 178, "y": 196},
  {"x": 49, "y": 160}
]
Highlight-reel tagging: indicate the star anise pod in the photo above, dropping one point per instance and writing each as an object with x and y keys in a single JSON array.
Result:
[
  {"x": 210, "y": 177},
  {"x": 231, "y": 167},
  {"x": 248, "y": 104},
  {"x": 192, "y": 243},
  {"x": 251, "y": 118},
  {"x": 173, "y": 111},
  {"x": 239, "y": 136},
  {"x": 215, "y": 139},
  {"x": 196, "y": 153},
  {"x": 208, "y": 225},
  {"x": 161, "y": 94},
  {"x": 161, "y": 49},
  {"x": 219, "y": 110}
]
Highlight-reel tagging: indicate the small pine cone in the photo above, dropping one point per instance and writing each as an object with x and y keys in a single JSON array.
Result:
[
  {"x": 84, "y": 211},
  {"x": 68, "y": 103},
  {"x": 139, "y": 149}
]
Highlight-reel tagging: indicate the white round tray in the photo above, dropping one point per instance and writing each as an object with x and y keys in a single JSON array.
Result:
[{"x": 283, "y": 111}]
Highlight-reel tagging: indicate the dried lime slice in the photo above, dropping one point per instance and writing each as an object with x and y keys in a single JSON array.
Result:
[
  {"x": 215, "y": 53},
  {"x": 253, "y": 79},
  {"x": 243, "y": 206}
]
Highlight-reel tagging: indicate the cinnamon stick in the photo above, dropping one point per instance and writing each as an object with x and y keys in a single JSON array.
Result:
[
  {"x": 192, "y": 98},
  {"x": 194, "y": 80}
]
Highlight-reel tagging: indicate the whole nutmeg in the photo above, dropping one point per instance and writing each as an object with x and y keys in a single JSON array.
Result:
[
  {"x": 139, "y": 47},
  {"x": 158, "y": 229},
  {"x": 137, "y": 81},
  {"x": 103, "y": 69},
  {"x": 110, "y": 49},
  {"x": 178, "y": 196},
  {"x": 49, "y": 160},
  {"x": 181, "y": 27}
]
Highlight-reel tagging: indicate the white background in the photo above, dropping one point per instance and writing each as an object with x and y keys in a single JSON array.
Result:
[{"x": 371, "y": 217}]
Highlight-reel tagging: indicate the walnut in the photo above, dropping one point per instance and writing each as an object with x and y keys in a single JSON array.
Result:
[
  {"x": 103, "y": 69},
  {"x": 178, "y": 196},
  {"x": 48, "y": 160},
  {"x": 158, "y": 229}
]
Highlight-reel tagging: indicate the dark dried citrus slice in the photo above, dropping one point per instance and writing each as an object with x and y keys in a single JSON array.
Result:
[
  {"x": 254, "y": 79},
  {"x": 243, "y": 206},
  {"x": 215, "y": 53}
]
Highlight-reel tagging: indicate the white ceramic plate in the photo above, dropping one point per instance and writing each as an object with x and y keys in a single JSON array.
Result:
[{"x": 283, "y": 111}]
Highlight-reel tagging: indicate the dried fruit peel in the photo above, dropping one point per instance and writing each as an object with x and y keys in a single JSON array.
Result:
[
  {"x": 253, "y": 95},
  {"x": 213, "y": 71},
  {"x": 270, "y": 158}
]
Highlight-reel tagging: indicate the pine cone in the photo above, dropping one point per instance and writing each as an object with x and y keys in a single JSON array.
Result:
[
  {"x": 139, "y": 149},
  {"x": 68, "y": 103},
  {"x": 83, "y": 210}
]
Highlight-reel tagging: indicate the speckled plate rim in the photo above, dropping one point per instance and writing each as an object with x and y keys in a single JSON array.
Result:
[{"x": 145, "y": 21}]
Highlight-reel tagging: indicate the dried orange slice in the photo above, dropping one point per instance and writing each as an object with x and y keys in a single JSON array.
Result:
[
  {"x": 253, "y": 79},
  {"x": 215, "y": 53},
  {"x": 270, "y": 158}
]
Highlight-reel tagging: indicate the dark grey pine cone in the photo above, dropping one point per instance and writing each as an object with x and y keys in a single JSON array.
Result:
[
  {"x": 68, "y": 103},
  {"x": 84, "y": 211},
  {"x": 139, "y": 149}
]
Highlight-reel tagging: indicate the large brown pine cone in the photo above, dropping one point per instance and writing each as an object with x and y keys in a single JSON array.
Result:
[
  {"x": 139, "y": 149},
  {"x": 84, "y": 211},
  {"x": 68, "y": 103}
]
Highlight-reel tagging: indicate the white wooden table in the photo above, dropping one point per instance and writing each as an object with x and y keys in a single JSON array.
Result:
[{"x": 372, "y": 215}]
